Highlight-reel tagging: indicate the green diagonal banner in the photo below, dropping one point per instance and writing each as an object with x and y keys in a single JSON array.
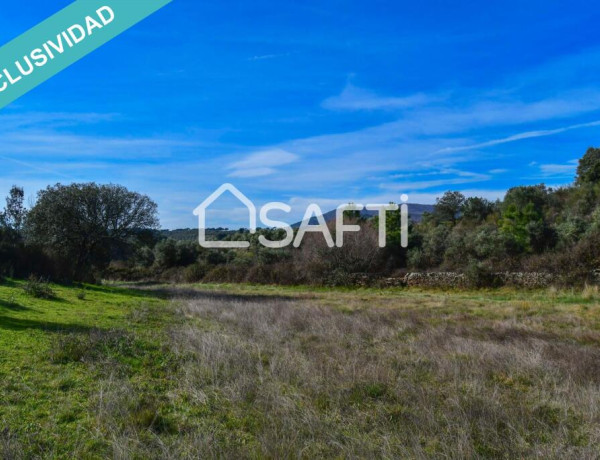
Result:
[{"x": 63, "y": 39}]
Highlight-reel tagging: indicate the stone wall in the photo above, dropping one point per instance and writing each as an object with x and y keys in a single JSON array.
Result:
[
  {"x": 526, "y": 279},
  {"x": 450, "y": 280},
  {"x": 436, "y": 280}
]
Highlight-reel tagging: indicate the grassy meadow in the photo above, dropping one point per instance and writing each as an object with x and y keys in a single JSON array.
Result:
[{"x": 242, "y": 371}]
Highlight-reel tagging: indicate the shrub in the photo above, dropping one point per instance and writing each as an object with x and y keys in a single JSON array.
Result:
[
  {"x": 92, "y": 346},
  {"x": 415, "y": 258},
  {"x": 117, "y": 273},
  {"x": 226, "y": 274},
  {"x": 172, "y": 275},
  {"x": 145, "y": 257},
  {"x": 480, "y": 276},
  {"x": 284, "y": 273},
  {"x": 570, "y": 231},
  {"x": 194, "y": 273},
  {"x": 338, "y": 277},
  {"x": 435, "y": 243},
  {"x": 165, "y": 254},
  {"x": 38, "y": 288},
  {"x": 170, "y": 253}
]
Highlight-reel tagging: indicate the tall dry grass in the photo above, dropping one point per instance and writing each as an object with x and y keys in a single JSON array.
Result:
[{"x": 301, "y": 380}]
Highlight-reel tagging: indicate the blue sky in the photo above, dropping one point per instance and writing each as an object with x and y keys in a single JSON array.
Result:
[{"x": 326, "y": 101}]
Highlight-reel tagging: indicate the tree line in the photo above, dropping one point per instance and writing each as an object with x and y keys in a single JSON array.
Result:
[
  {"x": 533, "y": 229},
  {"x": 90, "y": 231}
]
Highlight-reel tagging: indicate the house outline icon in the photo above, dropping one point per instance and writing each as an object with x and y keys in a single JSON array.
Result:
[{"x": 200, "y": 211}]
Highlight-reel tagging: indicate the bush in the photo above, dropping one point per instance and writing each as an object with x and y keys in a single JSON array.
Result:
[
  {"x": 38, "y": 288},
  {"x": 338, "y": 277},
  {"x": 415, "y": 258},
  {"x": 226, "y": 274},
  {"x": 577, "y": 265},
  {"x": 170, "y": 253},
  {"x": 92, "y": 346},
  {"x": 480, "y": 276},
  {"x": 144, "y": 257},
  {"x": 283, "y": 273},
  {"x": 165, "y": 254},
  {"x": 117, "y": 273},
  {"x": 195, "y": 273}
]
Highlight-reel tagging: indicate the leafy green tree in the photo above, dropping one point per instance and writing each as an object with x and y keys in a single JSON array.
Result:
[
  {"x": 520, "y": 197},
  {"x": 166, "y": 253},
  {"x": 144, "y": 256},
  {"x": 447, "y": 208},
  {"x": 524, "y": 217},
  {"x": 518, "y": 222},
  {"x": 477, "y": 209},
  {"x": 82, "y": 223},
  {"x": 489, "y": 243},
  {"x": 588, "y": 171},
  {"x": 570, "y": 231},
  {"x": 435, "y": 244},
  {"x": 11, "y": 225},
  {"x": 395, "y": 254},
  {"x": 14, "y": 213},
  {"x": 392, "y": 227}
]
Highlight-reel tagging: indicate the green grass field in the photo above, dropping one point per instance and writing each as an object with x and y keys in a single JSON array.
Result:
[
  {"x": 56, "y": 356},
  {"x": 242, "y": 371}
]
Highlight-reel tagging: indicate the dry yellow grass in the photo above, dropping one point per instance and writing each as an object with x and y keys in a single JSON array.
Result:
[{"x": 394, "y": 374}]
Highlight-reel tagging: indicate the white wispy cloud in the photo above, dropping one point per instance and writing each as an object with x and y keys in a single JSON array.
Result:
[
  {"x": 561, "y": 170},
  {"x": 265, "y": 57},
  {"x": 520, "y": 137},
  {"x": 53, "y": 172},
  {"x": 354, "y": 98},
  {"x": 51, "y": 143},
  {"x": 443, "y": 181},
  {"x": 262, "y": 163},
  {"x": 12, "y": 121}
]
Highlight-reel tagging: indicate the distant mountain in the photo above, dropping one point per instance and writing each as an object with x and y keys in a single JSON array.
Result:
[{"x": 415, "y": 212}]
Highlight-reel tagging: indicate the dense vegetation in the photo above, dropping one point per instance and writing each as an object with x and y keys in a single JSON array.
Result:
[
  {"x": 86, "y": 231},
  {"x": 72, "y": 232},
  {"x": 534, "y": 229}
]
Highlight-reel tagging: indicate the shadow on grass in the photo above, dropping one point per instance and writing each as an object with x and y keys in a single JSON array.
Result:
[
  {"x": 53, "y": 299},
  {"x": 115, "y": 290},
  {"x": 12, "y": 306},
  {"x": 191, "y": 294},
  {"x": 8, "y": 282},
  {"x": 19, "y": 324},
  {"x": 122, "y": 290}
]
